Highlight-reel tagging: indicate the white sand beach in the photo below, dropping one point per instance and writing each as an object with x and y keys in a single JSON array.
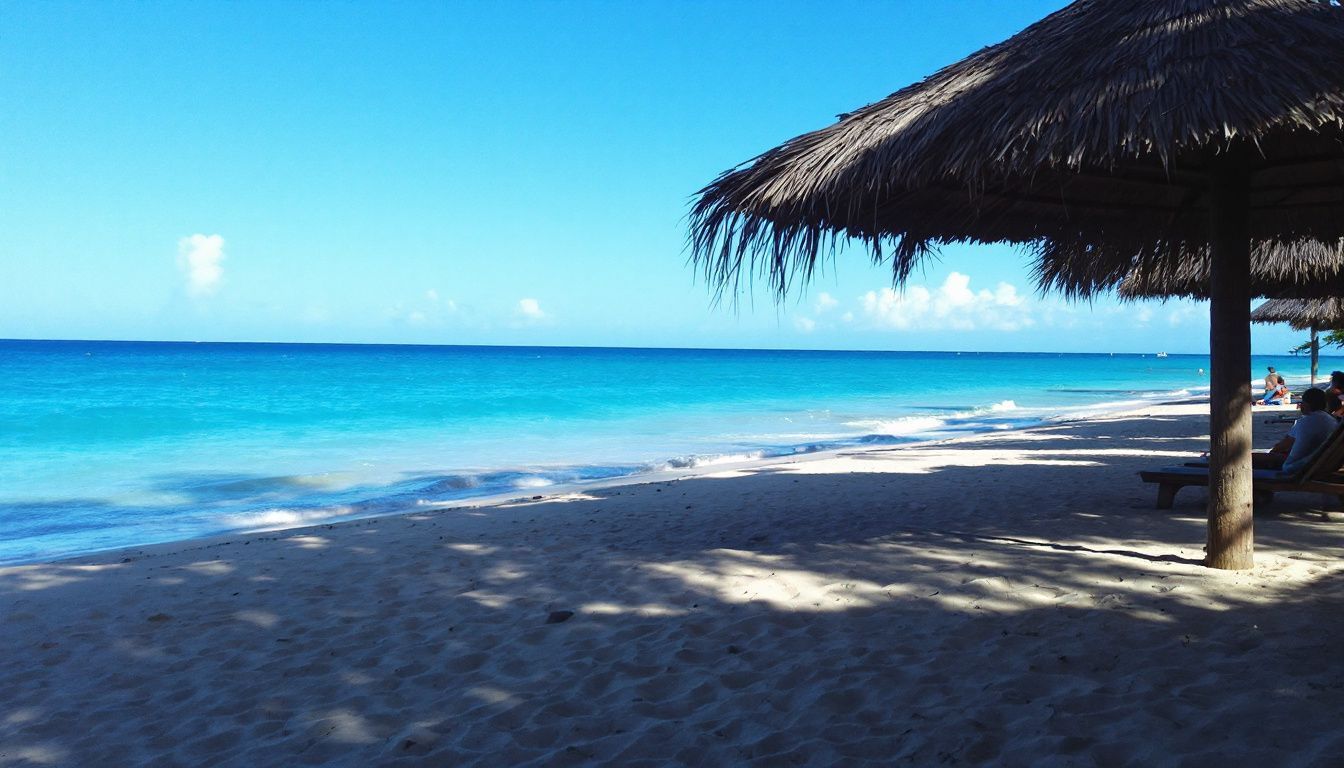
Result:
[{"x": 1011, "y": 599}]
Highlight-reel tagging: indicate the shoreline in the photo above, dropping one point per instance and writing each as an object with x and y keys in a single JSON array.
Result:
[
  {"x": 667, "y": 474},
  {"x": 97, "y": 474},
  {"x": 1010, "y": 598}
]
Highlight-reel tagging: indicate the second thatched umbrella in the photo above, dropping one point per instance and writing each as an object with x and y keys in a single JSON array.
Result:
[
  {"x": 1277, "y": 269},
  {"x": 1117, "y": 138},
  {"x": 1304, "y": 315}
]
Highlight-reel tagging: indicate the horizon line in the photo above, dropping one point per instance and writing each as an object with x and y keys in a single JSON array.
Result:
[{"x": 614, "y": 347}]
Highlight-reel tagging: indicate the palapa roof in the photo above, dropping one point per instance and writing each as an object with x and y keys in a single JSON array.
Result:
[
  {"x": 1322, "y": 314},
  {"x": 1089, "y": 137}
]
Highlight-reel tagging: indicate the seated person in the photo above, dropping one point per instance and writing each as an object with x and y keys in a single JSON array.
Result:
[
  {"x": 1335, "y": 394},
  {"x": 1306, "y": 435},
  {"x": 1276, "y": 396}
]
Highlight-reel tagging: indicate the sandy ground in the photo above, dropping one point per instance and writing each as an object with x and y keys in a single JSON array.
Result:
[{"x": 1012, "y": 599}]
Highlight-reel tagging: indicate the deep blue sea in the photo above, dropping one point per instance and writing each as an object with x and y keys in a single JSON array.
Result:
[{"x": 112, "y": 444}]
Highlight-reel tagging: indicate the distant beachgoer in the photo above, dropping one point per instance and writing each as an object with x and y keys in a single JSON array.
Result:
[
  {"x": 1278, "y": 395},
  {"x": 1271, "y": 383},
  {"x": 1304, "y": 437}
]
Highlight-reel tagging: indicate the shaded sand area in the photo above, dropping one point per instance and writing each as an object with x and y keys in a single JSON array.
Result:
[{"x": 1012, "y": 599}]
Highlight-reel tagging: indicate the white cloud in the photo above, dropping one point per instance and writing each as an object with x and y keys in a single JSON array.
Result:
[
  {"x": 432, "y": 295},
  {"x": 804, "y": 324},
  {"x": 951, "y": 306},
  {"x": 530, "y": 309},
  {"x": 199, "y": 257},
  {"x": 825, "y": 303}
]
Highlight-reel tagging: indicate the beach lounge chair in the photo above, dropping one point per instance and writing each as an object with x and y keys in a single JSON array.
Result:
[{"x": 1321, "y": 474}]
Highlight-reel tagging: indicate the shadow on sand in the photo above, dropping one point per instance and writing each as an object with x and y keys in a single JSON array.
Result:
[{"x": 1016, "y": 601}]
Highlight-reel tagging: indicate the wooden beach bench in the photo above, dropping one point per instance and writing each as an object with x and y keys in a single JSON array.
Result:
[
  {"x": 1279, "y": 414},
  {"x": 1324, "y": 473}
]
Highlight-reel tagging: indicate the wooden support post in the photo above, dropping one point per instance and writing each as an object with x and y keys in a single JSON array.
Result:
[
  {"x": 1231, "y": 538},
  {"x": 1315, "y": 354}
]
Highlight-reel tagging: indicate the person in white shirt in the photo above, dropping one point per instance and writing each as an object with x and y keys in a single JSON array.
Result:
[{"x": 1306, "y": 435}]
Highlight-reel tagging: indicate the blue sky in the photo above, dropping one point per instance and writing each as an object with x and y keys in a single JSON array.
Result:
[{"x": 472, "y": 173}]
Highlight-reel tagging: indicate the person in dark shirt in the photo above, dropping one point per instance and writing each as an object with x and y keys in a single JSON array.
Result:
[{"x": 1334, "y": 394}]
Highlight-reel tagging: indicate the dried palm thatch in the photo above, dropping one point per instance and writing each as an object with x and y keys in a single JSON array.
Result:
[
  {"x": 1303, "y": 315},
  {"x": 1113, "y": 139},
  {"x": 1278, "y": 270},
  {"x": 1087, "y": 137}
]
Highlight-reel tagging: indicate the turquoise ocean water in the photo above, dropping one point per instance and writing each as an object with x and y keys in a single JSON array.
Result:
[{"x": 111, "y": 444}]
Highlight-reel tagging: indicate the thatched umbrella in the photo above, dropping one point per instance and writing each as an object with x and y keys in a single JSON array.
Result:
[
  {"x": 1277, "y": 269},
  {"x": 1304, "y": 315},
  {"x": 1113, "y": 137}
]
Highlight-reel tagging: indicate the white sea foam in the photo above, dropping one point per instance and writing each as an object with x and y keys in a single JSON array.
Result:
[
  {"x": 916, "y": 425},
  {"x": 1165, "y": 395},
  {"x": 909, "y": 425},
  {"x": 279, "y": 517},
  {"x": 709, "y": 460},
  {"x": 532, "y": 482}
]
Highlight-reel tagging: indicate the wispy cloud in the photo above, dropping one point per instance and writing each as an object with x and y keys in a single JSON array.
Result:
[
  {"x": 951, "y": 306},
  {"x": 200, "y": 258},
  {"x": 432, "y": 311},
  {"x": 804, "y": 324},
  {"x": 441, "y": 305},
  {"x": 1182, "y": 314},
  {"x": 316, "y": 314},
  {"x": 825, "y": 303}
]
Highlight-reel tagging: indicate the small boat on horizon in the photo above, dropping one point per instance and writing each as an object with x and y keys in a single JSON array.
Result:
[{"x": 1161, "y": 354}]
